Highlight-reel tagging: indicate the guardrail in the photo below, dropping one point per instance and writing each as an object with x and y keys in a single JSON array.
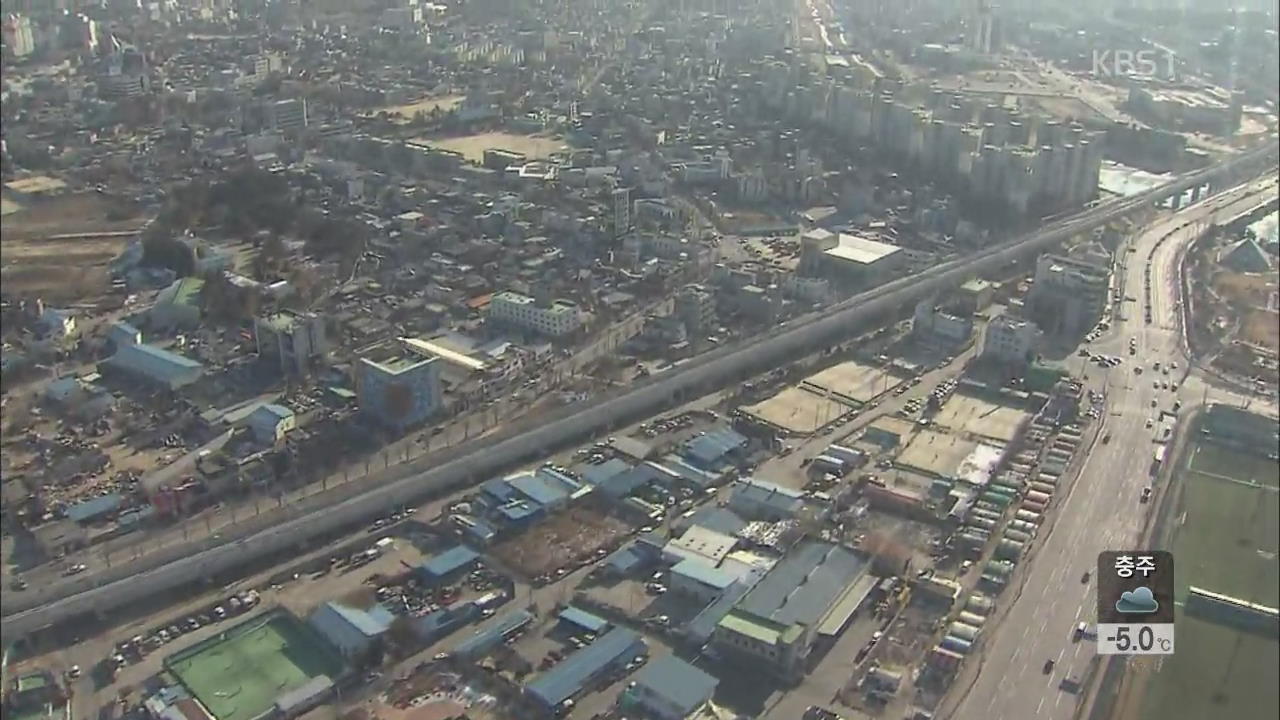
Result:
[{"x": 534, "y": 437}]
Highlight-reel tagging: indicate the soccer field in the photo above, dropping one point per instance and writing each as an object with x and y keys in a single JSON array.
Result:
[
  {"x": 1226, "y": 543},
  {"x": 238, "y": 674}
]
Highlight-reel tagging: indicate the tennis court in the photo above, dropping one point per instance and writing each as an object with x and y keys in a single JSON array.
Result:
[{"x": 238, "y": 674}]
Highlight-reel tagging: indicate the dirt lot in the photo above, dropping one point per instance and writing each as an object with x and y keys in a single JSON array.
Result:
[
  {"x": 1262, "y": 328},
  {"x": 1242, "y": 289},
  {"x": 60, "y": 269},
  {"x": 561, "y": 541},
  {"x": 403, "y": 114},
  {"x": 798, "y": 410},
  {"x": 472, "y": 147}
]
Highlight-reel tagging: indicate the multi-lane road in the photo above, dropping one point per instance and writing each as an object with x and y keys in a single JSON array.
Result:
[{"x": 1101, "y": 509}]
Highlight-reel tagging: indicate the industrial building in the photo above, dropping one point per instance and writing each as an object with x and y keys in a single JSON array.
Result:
[
  {"x": 701, "y": 544},
  {"x": 669, "y": 688},
  {"x": 760, "y": 500},
  {"x": 848, "y": 258},
  {"x": 482, "y": 641},
  {"x": 775, "y": 624},
  {"x": 448, "y": 564},
  {"x": 353, "y": 631},
  {"x": 699, "y": 580},
  {"x": 562, "y": 682},
  {"x": 397, "y": 388},
  {"x": 154, "y": 366},
  {"x": 556, "y": 318}
]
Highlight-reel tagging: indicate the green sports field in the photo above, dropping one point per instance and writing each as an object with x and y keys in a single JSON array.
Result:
[
  {"x": 238, "y": 675},
  {"x": 1224, "y": 527}
]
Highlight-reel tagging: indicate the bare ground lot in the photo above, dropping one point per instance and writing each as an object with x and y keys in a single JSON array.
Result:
[
  {"x": 404, "y": 113},
  {"x": 798, "y": 410},
  {"x": 60, "y": 269},
  {"x": 562, "y": 541},
  {"x": 472, "y": 147}
]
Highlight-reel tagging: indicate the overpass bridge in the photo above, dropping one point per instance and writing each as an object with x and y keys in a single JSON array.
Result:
[{"x": 530, "y": 438}]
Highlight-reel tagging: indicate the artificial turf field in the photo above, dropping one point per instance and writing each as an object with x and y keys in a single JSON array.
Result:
[
  {"x": 238, "y": 674},
  {"x": 1227, "y": 544}
]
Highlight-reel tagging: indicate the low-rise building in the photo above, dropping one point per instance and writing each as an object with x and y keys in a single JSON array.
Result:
[
  {"x": 612, "y": 650},
  {"x": 670, "y": 689},
  {"x": 759, "y": 500},
  {"x": 699, "y": 543},
  {"x": 1011, "y": 340},
  {"x": 699, "y": 580},
  {"x": 556, "y": 318},
  {"x": 812, "y": 592},
  {"x": 848, "y": 258},
  {"x": 353, "y": 631},
  {"x": 177, "y": 307},
  {"x": 154, "y": 366},
  {"x": 270, "y": 423}
]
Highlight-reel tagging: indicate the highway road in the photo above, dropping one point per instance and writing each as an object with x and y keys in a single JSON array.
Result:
[
  {"x": 1101, "y": 509},
  {"x": 534, "y": 437}
]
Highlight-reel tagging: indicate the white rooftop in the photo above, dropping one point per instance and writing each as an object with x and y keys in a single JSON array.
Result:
[{"x": 861, "y": 250}]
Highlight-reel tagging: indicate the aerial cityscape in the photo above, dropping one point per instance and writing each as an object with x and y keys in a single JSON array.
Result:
[{"x": 640, "y": 359}]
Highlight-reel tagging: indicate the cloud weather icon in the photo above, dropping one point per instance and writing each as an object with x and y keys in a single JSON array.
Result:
[{"x": 1139, "y": 601}]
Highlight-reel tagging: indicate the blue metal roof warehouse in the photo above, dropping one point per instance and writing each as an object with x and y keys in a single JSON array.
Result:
[
  {"x": 583, "y": 619},
  {"x": 485, "y": 640},
  {"x": 450, "y": 561},
  {"x": 571, "y": 676},
  {"x": 672, "y": 688},
  {"x": 709, "y": 450}
]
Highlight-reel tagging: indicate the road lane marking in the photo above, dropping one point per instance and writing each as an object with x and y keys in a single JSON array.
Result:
[{"x": 1040, "y": 706}]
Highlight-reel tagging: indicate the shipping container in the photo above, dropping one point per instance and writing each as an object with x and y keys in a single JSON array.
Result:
[
  {"x": 980, "y": 604},
  {"x": 1017, "y": 535},
  {"x": 1009, "y": 549}
]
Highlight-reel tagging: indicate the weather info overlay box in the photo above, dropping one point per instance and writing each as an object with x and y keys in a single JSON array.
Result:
[{"x": 1135, "y": 602}]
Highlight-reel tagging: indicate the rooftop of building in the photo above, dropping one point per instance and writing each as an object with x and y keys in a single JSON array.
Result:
[
  {"x": 861, "y": 250},
  {"x": 805, "y": 584}
]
